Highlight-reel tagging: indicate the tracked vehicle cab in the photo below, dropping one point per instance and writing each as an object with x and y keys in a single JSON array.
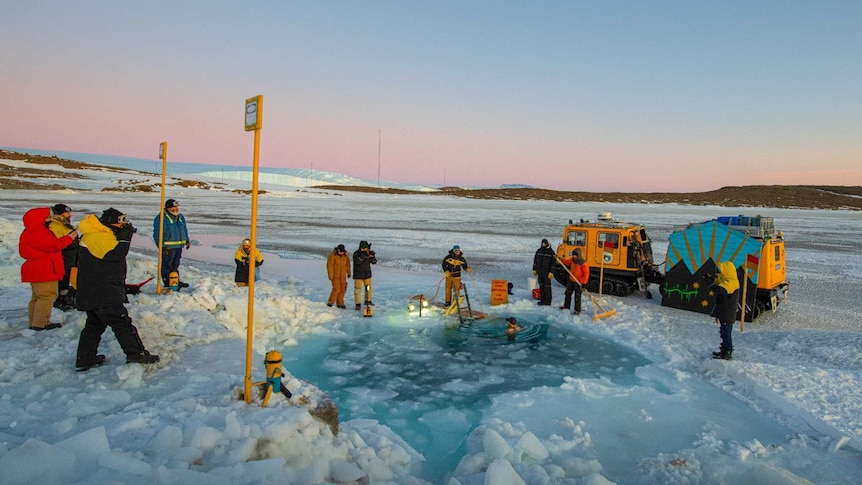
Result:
[{"x": 622, "y": 249}]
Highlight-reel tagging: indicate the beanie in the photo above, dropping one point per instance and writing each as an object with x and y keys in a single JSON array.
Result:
[
  {"x": 110, "y": 216},
  {"x": 340, "y": 247},
  {"x": 364, "y": 245},
  {"x": 456, "y": 247},
  {"x": 61, "y": 208},
  {"x": 171, "y": 203},
  {"x": 545, "y": 241}
]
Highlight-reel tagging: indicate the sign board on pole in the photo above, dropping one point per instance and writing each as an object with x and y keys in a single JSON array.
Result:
[{"x": 254, "y": 113}]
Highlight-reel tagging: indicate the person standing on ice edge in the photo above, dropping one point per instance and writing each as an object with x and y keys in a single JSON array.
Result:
[
  {"x": 579, "y": 274},
  {"x": 242, "y": 258},
  {"x": 363, "y": 258},
  {"x": 102, "y": 289},
  {"x": 338, "y": 272},
  {"x": 453, "y": 263},
  {"x": 176, "y": 236},
  {"x": 43, "y": 265},
  {"x": 543, "y": 268},
  {"x": 726, "y": 288}
]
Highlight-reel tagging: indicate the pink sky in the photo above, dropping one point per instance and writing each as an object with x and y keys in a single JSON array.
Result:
[{"x": 565, "y": 96}]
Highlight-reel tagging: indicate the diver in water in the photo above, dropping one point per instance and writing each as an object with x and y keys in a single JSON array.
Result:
[{"x": 512, "y": 328}]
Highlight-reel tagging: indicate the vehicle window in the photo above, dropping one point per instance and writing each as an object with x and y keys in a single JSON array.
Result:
[
  {"x": 777, "y": 253},
  {"x": 577, "y": 238},
  {"x": 610, "y": 237}
]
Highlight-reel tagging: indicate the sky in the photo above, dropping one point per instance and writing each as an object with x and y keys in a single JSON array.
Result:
[
  {"x": 605, "y": 96},
  {"x": 634, "y": 398}
]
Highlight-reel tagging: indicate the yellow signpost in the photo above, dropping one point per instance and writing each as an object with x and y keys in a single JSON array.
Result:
[
  {"x": 163, "y": 156},
  {"x": 253, "y": 122},
  {"x": 499, "y": 292}
]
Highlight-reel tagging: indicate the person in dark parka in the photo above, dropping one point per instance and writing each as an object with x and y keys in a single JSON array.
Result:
[
  {"x": 363, "y": 258},
  {"x": 242, "y": 258},
  {"x": 726, "y": 288},
  {"x": 543, "y": 268},
  {"x": 102, "y": 254}
]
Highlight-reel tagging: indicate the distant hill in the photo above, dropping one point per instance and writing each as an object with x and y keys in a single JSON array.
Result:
[{"x": 49, "y": 173}]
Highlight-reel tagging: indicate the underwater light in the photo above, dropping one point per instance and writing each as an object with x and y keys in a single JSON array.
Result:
[{"x": 412, "y": 305}]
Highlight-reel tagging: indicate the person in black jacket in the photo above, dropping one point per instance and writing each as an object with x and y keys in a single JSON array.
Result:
[
  {"x": 363, "y": 258},
  {"x": 102, "y": 289},
  {"x": 543, "y": 268}
]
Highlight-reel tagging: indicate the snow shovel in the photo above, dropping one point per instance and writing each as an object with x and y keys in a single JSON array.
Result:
[{"x": 601, "y": 309}]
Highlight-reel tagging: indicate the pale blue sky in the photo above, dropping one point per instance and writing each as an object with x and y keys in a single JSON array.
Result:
[{"x": 634, "y": 96}]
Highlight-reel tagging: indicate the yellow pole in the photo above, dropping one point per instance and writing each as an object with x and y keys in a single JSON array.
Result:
[
  {"x": 744, "y": 291},
  {"x": 602, "y": 272},
  {"x": 256, "y": 126},
  {"x": 163, "y": 154}
]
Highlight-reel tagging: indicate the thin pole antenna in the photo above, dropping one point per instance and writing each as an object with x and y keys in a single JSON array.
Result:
[{"x": 378, "y": 156}]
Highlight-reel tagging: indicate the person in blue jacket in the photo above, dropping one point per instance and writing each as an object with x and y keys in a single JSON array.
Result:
[{"x": 176, "y": 237}]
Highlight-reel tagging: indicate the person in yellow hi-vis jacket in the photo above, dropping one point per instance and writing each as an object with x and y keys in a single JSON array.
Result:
[
  {"x": 726, "y": 288},
  {"x": 242, "y": 258},
  {"x": 453, "y": 263}
]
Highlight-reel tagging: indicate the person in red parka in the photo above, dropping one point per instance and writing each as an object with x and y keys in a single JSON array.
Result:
[
  {"x": 579, "y": 275},
  {"x": 43, "y": 265}
]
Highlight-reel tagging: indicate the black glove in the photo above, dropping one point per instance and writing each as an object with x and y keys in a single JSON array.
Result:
[
  {"x": 188, "y": 244},
  {"x": 165, "y": 251},
  {"x": 125, "y": 233},
  {"x": 258, "y": 263}
]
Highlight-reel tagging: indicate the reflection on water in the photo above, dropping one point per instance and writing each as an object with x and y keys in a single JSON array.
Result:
[{"x": 398, "y": 372}]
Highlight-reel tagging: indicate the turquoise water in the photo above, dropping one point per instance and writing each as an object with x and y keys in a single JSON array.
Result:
[{"x": 414, "y": 373}]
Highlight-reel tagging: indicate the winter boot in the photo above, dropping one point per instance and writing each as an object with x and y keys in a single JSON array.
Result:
[
  {"x": 142, "y": 357},
  {"x": 359, "y": 307},
  {"x": 723, "y": 354},
  {"x": 82, "y": 366}
]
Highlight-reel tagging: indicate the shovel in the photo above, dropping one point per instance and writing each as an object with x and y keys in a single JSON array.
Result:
[{"x": 601, "y": 309}]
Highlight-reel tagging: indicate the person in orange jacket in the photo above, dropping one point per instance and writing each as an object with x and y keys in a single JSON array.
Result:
[
  {"x": 338, "y": 271},
  {"x": 43, "y": 265},
  {"x": 580, "y": 274}
]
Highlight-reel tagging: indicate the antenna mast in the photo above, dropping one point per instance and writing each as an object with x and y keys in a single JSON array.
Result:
[{"x": 378, "y": 157}]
